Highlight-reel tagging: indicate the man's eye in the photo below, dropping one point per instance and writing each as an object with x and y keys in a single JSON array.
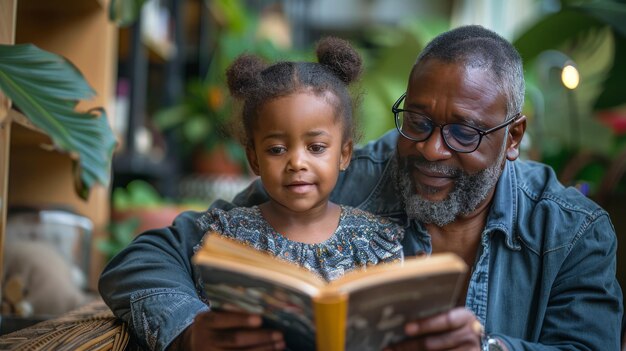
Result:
[
  {"x": 317, "y": 148},
  {"x": 463, "y": 135},
  {"x": 417, "y": 122},
  {"x": 276, "y": 150}
]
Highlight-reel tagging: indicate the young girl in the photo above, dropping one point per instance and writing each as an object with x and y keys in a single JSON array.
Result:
[
  {"x": 298, "y": 126},
  {"x": 297, "y": 118}
]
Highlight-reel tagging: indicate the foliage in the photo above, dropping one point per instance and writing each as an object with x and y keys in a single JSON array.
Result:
[
  {"x": 125, "y": 12},
  {"x": 576, "y": 20},
  {"x": 120, "y": 235},
  {"x": 561, "y": 122},
  {"x": 593, "y": 35},
  {"x": 387, "y": 67},
  {"x": 46, "y": 88},
  {"x": 137, "y": 194},
  {"x": 203, "y": 118},
  {"x": 136, "y": 208}
]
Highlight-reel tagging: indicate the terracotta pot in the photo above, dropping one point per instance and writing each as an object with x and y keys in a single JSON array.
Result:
[
  {"x": 216, "y": 162},
  {"x": 149, "y": 218}
]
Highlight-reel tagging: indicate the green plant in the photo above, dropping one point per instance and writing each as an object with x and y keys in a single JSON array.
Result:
[
  {"x": 127, "y": 204},
  {"x": 137, "y": 194},
  {"x": 387, "y": 65},
  {"x": 120, "y": 235},
  {"x": 202, "y": 119},
  {"x": 46, "y": 88},
  {"x": 592, "y": 33},
  {"x": 125, "y": 12},
  {"x": 565, "y": 123}
]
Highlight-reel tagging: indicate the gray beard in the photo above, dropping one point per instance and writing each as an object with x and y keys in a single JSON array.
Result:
[{"x": 469, "y": 190}]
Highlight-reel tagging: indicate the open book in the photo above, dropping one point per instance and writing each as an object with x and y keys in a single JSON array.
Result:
[{"x": 363, "y": 310}]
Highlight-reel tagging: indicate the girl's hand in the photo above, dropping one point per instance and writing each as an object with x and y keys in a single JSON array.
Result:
[{"x": 212, "y": 331}]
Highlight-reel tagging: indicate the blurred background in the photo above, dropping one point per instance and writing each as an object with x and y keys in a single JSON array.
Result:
[
  {"x": 173, "y": 112},
  {"x": 157, "y": 67}
]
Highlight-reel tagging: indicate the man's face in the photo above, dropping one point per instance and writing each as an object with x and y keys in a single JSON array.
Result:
[{"x": 439, "y": 184}]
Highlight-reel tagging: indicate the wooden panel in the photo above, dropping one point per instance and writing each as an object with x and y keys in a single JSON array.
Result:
[
  {"x": 38, "y": 176},
  {"x": 7, "y": 36},
  {"x": 5, "y": 131},
  {"x": 86, "y": 38},
  {"x": 60, "y": 7},
  {"x": 19, "y": 118},
  {"x": 7, "y": 21}
]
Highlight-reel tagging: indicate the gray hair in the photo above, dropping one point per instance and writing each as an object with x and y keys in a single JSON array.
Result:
[{"x": 479, "y": 47}]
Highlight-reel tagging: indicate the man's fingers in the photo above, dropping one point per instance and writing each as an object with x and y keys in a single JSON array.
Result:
[
  {"x": 455, "y": 329},
  {"x": 407, "y": 345},
  {"x": 228, "y": 320},
  {"x": 453, "y": 319},
  {"x": 463, "y": 338}
]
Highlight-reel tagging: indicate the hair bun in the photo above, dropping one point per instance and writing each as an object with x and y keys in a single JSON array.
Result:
[
  {"x": 242, "y": 74},
  {"x": 340, "y": 57}
]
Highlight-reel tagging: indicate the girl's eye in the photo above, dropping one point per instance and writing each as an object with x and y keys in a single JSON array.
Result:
[
  {"x": 276, "y": 150},
  {"x": 317, "y": 148}
]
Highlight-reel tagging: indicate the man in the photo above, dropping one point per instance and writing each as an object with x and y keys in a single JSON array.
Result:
[{"x": 542, "y": 257}]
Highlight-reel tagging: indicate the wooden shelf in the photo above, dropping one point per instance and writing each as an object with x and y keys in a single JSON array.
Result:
[
  {"x": 21, "y": 119},
  {"x": 61, "y": 7},
  {"x": 32, "y": 172}
]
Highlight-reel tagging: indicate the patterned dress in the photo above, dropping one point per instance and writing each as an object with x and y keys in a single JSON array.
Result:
[{"x": 361, "y": 239}]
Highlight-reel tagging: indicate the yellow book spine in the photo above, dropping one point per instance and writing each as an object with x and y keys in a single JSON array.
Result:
[{"x": 330, "y": 322}]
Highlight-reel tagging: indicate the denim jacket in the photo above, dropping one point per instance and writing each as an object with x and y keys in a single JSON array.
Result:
[{"x": 544, "y": 278}]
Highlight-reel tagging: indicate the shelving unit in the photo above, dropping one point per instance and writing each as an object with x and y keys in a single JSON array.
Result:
[{"x": 36, "y": 176}]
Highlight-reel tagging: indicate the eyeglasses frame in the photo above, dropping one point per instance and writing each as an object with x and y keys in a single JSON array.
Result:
[{"x": 481, "y": 133}]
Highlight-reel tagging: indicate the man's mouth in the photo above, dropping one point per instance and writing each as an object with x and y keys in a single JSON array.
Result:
[
  {"x": 432, "y": 173},
  {"x": 429, "y": 176}
]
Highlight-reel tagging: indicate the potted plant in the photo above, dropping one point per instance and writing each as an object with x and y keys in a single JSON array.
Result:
[
  {"x": 200, "y": 126},
  {"x": 201, "y": 123},
  {"x": 46, "y": 88}
]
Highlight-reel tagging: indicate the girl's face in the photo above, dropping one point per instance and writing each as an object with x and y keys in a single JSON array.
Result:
[{"x": 298, "y": 150}]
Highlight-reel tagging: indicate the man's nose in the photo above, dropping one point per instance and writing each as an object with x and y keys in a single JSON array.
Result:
[{"x": 434, "y": 148}]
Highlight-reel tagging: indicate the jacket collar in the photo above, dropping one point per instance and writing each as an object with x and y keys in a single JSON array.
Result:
[{"x": 504, "y": 206}]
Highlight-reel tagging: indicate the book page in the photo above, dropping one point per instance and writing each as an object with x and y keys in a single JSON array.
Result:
[
  {"x": 385, "y": 297},
  {"x": 389, "y": 272},
  {"x": 216, "y": 247},
  {"x": 282, "y": 307},
  {"x": 376, "y": 316}
]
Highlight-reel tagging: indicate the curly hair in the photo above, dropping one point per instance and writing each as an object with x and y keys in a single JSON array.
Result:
[{"x": 254, "y": 82}]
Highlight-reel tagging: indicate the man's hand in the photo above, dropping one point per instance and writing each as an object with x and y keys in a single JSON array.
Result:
[
  {"x": 457, "y": 329},
  {"x": 213, "y": 331}
]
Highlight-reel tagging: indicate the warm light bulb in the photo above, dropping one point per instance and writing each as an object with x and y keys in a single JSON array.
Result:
[{"x": 570, "y": 77}]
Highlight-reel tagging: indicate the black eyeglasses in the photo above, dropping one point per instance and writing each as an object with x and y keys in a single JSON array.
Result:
[{"x": 459, "y": 137}]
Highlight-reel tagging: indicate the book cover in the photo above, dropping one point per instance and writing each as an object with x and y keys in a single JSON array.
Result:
[{"x": 364, "y": 310}]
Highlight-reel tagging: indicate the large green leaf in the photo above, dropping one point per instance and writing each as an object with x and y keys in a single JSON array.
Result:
[
  {"x": 387, "y": 70},
  {"x": 46, "y": 88},
  {"x": 609, "y": 12},
  {"x": 613, "y": 94},
  {"x": 574, "y": 21},
  {"x": 125, "y": 12},
  {"x": 552, "y": 31}
]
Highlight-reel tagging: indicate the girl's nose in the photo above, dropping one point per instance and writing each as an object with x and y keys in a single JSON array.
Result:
[{"x": 297, "y": 161}]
